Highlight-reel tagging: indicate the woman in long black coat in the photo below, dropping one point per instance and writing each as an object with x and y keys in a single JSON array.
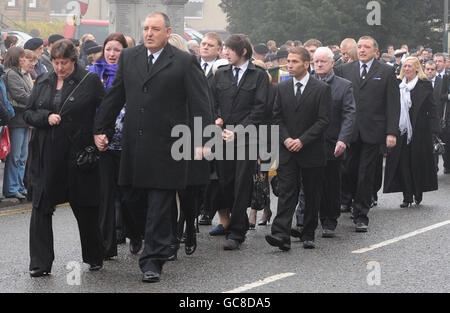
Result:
[
  {"x": 410, "y": 166},
  {"x": 62, "y": 108}
]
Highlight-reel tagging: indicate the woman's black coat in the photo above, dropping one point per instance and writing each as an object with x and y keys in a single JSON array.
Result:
[
  {"x": 52, "y": 173},
  {"x": 425, "y": 123}
]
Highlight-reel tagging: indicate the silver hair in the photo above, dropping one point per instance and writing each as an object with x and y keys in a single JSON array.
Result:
[{"x": 326, "y": 50}]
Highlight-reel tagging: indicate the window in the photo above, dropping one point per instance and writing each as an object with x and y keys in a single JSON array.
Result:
[
  {"x": 11, "y": 3},
  {"x": 194, "y": 9},
  {"x": 32, "y": 4}
]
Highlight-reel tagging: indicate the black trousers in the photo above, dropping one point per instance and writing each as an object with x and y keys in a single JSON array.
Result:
[
  {"x": 110, "y": 200},
  {"x": 191, "y": 200},
  {"x": 237, "y": 188},
  {"x": 41, "y": 236},
  {"x": 405, "y": 171},
  {"x": 359, "y": 176},
  {"x": 445, "y": 136},
  {"x": 160, "y": 229},
  {"x": 118, "y": 211},
  {"x": 378, "y": 179},
  {"x": 331, "y": 198},
  {"x": 290, "y": 176}
]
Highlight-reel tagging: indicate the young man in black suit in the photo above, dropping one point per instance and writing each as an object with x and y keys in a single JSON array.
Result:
[
  {"x": 377, "y": 97},
  {"x": 163, "y": 87},
  {"x": 240, "y": 91},
  {"x": 302, "y": 109}
]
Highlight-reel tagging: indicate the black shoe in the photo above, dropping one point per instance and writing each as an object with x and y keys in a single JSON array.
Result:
[
  {"x": 266, "y": 221},
  {"x": 183, "y": 238},
  {"x": 328, "y": 233},
  {"x": 309, "y": 244},
  {"x": 151, "y": 277},
  {"x": 231, "y": 244},
  {"x": 418, "y": 200},
  {"x": 446, "y": 171},
  {"x": 405, "y": 204},
  {"x": 345, "y": 208},
  {"x": 297, "y": 232},
  {"x": 205, "y": 220},
  {"x": 135, "y": 246},
  {"x": 18, "y": 195},
  {"x": 283, "y": 245},
  {"x": 251, "y": 226},
  {"x": 95, "y": 267},
  {"x": 190, "y": 244},
  {"x": 174, "y": 255},
  {"x": 39, "y": 273},
  {"x": 361, "y": 228}
]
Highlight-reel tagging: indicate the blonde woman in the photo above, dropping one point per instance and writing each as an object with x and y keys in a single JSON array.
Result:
[
  {"x": 410, "y": 166},
  {"x": 178, "y": 42}
]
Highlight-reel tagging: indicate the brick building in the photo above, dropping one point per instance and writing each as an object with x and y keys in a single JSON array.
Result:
[{"x": 25, "y": 10}]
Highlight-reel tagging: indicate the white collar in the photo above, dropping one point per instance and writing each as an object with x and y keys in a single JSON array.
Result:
[
  {"x": 369, "y": 64},
  {"x": 243, "y": 67},
  {"x": 303, "y": 81},
  {"x": 209, "y": 63},
  {"x": 155, "y": 55}
]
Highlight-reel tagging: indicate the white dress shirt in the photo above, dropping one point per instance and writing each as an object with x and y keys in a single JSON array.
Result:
[
  {"x": 303, "y": 81},
  {"x": 361, "y": 68},
  {"x": 208, "y": 67},
  {"x": 155, "y": 55},
  {"x": 243, "y": 68}
]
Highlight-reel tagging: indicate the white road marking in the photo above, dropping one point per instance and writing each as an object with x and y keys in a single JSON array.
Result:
[
  {"x": 259, "y": 283},
  {"x": 409, "y": 235}
]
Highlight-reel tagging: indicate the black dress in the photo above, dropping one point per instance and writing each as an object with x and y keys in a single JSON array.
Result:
[{"x": 410, "y": 168}]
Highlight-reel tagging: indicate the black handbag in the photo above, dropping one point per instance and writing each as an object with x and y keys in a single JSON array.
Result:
[
  {"x": 438, "y": 146},
  {"x": 87, "y": 159},
  {"x": 261, "y": 190}
]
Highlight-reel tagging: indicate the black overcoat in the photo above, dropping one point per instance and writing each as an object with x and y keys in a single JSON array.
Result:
[
  {"x": 377, "y": 102},
  {"x": 170, "y": 95},
  {"x": 51, "y": 170},
  {"x": 425, "y": 123}
]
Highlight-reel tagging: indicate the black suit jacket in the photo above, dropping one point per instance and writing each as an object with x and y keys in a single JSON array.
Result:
[
  {"x": 306, "y": 120},
  {"x": 377, "y": 102},
  {"x": 342, "y": 115},
  {"x": 171, "y": 94},
  {"x": 440, "y": 95},
  {"x": 244, "y": 104}
]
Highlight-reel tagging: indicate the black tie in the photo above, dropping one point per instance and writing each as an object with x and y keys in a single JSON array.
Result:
[
  {"x": 205, "y": 66},
  {"x": 298, "y": 94},
  {"x": 236, "y": 75},
  {"x": 149, "y": 63},
  {"x": 440, "y": 76},
  {"x": 364, "y": 73}
]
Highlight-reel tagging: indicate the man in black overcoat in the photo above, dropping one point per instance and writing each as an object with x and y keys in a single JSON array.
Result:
[
  {"x": 163, "y": 87},
  {"x": 377, "y": 97}
]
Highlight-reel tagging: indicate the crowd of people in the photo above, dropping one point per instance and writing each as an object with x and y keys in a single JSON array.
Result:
[{"x": 93, "y": 122}]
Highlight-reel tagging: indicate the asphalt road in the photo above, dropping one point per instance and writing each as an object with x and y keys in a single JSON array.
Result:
[{"x": 419, "y": 262}]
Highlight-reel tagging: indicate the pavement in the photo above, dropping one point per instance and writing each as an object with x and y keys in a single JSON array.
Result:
[{"x": 409, "y": 251}]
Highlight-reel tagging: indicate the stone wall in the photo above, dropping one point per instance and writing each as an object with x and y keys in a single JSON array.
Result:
[{"x": 127, "y": 16}]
